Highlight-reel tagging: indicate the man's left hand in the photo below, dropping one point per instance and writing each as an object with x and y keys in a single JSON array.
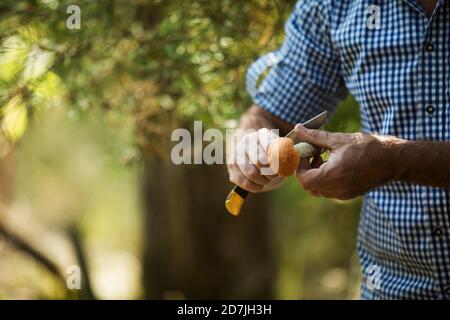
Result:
[{"x": 357, "y": 163}]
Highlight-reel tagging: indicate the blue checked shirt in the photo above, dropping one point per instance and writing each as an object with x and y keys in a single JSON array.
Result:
[{"x": 398, "y": 69}]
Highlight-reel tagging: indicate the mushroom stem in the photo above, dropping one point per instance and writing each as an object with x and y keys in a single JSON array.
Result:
[{"x": 306, "y": 150}]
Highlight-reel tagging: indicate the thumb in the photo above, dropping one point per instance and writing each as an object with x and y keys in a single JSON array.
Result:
[{"x": 316, "y": 137}]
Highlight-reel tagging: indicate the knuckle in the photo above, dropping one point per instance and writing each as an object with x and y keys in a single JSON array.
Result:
[
  {"x": 231, "y": 166},
  {"x": 231, "y": 161},
  {"x": 247, "y": 185},
  {"x": 241, "y": 181},
  {"x": 353, "y": 138},
  {"x": 314, "y": 133},
  {"x": 251, "y": 172}
]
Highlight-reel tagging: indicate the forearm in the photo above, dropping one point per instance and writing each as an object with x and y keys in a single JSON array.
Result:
[
  {"x": 421, "y": 162},
  {"x": 257, "y": 118}
]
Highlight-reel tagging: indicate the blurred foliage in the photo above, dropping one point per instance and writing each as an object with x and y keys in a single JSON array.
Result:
[
  {"x": 71, "y": 171},
  {"x": 154, "y": 61},
  {"x": 135, "y": 70}
]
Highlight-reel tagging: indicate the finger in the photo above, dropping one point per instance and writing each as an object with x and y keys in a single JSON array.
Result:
[
  {"x": 266, "y": 137},
  {"x": 237, "y": 176},
  {"x": 328, "y": 195},
  {"x": 302, "y": 169},
  {"x": 263, "y": 165},
  {"x": 244, "y": 183},
  {"x": 268, "y": 173},
  {"x": 262, "y": 157},
  {"x": 312, "y": 179},
  {"x": 252, "y": 173},
  {"x": 321, "y": 194},
  {"x": 273, "y": 183},
  {"x": 240, "y": 153},
  {"x": 316, "y": 137},
  {"x": 251, "y": 147}
]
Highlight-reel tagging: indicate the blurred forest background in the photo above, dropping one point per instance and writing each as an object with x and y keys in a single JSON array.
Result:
[{"x": 85, "y": 177}]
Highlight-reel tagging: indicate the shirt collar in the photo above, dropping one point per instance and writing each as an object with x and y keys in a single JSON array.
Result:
[{"x": 416, "y": 5}]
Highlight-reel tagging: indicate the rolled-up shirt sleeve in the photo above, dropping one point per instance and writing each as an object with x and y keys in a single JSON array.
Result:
[{"x": 305, "y": 74}]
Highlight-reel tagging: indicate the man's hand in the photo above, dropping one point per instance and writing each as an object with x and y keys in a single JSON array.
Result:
[
  {"x": 357, "y": 163},
  {"x": 247, "y": 175},
  {"x": 248, "y": 158}
]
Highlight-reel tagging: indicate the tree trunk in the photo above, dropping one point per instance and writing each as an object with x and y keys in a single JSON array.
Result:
[{"x": 193, "y": 248}]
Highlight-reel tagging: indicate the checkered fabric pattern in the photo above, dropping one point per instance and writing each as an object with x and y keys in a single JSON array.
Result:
[{"x": 399, "y": 73}]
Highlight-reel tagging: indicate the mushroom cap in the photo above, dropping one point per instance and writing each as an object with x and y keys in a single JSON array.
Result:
[{"x": 282, "y": 156}]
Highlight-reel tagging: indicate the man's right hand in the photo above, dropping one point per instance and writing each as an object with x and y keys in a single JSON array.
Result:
[{"x": 248, "y": 165}]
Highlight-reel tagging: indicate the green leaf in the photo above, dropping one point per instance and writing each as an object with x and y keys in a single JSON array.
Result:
[{"x": 14, "y": 118}]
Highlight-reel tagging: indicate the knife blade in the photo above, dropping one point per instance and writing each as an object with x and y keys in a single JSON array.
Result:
[
  {"x": 237, "y": 195},
  {"x": 313, "y": 123}
]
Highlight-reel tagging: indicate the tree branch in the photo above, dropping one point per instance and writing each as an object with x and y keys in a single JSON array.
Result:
[{"x": 22, "y": 244}]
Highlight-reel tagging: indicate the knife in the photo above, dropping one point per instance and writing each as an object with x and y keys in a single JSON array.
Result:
[{"x": 237, "y": 195}]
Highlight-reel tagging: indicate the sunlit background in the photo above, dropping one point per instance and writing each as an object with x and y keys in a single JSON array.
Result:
[{"x": 85, "y": 172}]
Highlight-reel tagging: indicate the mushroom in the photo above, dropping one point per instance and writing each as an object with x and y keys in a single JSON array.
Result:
[{"x": 284, "y": 157}]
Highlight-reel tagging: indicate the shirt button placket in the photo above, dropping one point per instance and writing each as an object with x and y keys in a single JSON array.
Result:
[
  {"x": 429, "y": 108},
  {"x": 438, "y": 231}
]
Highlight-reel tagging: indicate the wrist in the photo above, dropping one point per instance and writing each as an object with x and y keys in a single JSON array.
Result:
[{"x": 395, "y": 158}]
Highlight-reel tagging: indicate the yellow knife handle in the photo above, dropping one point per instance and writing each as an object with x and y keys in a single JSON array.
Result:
[{"x": 235, "y": 200}]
